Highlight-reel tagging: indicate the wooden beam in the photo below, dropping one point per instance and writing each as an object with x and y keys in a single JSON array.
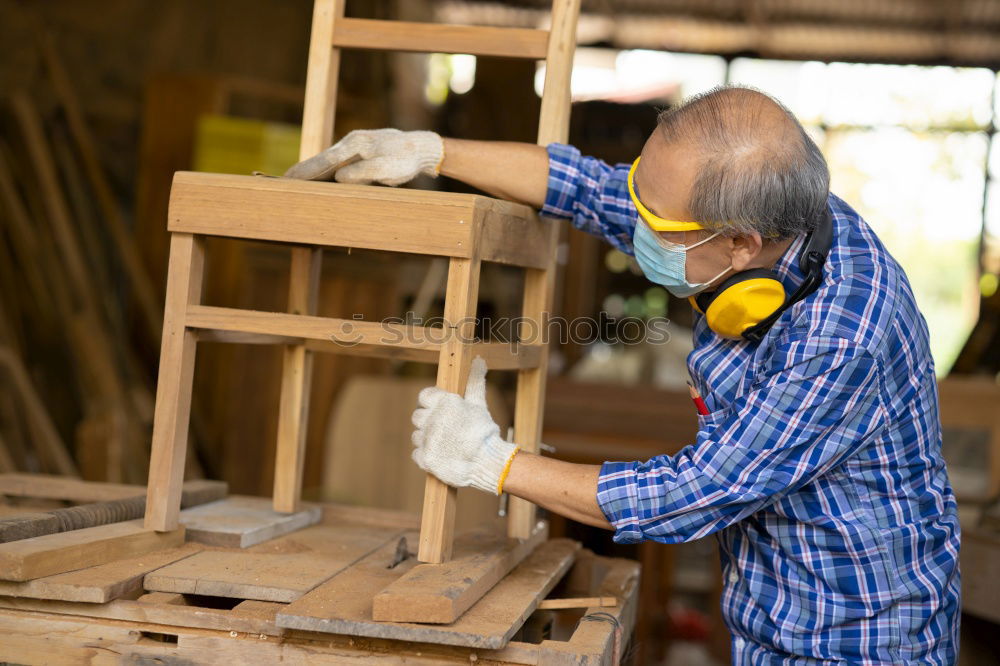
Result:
[
  {"x": 296, "y": 384},
  {"x": 321, "y": 79},
  {"x": 270, "y": 574},
  {"x": 359, "y": 33},
  {"x": 323, "y": 214},
  {"x": 68, "y": 551},
  {"x": 440, "y": 593},
  {"x": 438, "y": 516},
  {"x": 342, "y": 332},
  {"x": 46, "y": 486},
  {"x": 99, "y": 584},
  {"x": 252, "y": 617},
  {"x": 365, "y": 216},
  {"x": 577, "y": 602},
  {"x": 93, "y": 514},
  {"x": 539, "y": 284},
  {"x": 173, "y": 390},
  {"x": 342, "y": 605},
  {"x": 411, "y": 343},
  {"x": 517, "y": 237},
  {"x": 241, "y": 522}
]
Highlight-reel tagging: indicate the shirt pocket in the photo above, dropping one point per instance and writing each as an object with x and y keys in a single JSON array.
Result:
[{"x": 708, "y": 422}]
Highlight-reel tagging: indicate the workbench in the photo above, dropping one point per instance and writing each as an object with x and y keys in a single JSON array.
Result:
[{"x": 307, "y": 596}]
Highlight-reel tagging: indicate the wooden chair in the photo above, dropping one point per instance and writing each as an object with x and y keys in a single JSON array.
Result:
[{"x": 467, "y": 229}]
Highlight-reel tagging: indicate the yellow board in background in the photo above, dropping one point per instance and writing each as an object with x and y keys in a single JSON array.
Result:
[{"x": 227, "y": 144}]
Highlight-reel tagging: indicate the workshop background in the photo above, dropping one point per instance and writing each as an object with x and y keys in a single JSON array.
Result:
[{"x": 102, "y": 100}]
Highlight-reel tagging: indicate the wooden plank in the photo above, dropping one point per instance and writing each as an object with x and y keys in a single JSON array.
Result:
[
  {"x": 529, "y": 402},
  {"x": 254, "y": 617},
  {"x": 440, "y": 593},
  {"x": 355, "y": 33},
  {"x": 341, "y": 332},
  {"x": 101, "y": 583},
  {"x": 516, "y": 236},
  {"x": 101, "y": 513},
  {"x": 498, "y": 355},
  {"x": 539, "y": 284},
  {"x": 296, "y": 384},
  {"x": 41, "y": 638},
  {"x": 322, "y": 70},
  {"x": 68, "y": 551},
  {"x": 553, "y": 119},
  {"x": 323, "y": 214},
  {"x": 462, "y": 292},
  {"x": 241, "y": 522},
  {"x": 272, "y": 571},
  {"x": 174, "y": 386},
  {"x": 48, "y": 486},
  {"x": 343, "y": 605},
  {"x": 577, "y": 602}
]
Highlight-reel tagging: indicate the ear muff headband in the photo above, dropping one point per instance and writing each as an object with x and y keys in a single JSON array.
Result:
[{"x": 748, "y": 303}]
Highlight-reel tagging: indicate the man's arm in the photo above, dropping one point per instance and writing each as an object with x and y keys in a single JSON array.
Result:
[
  {"x": 507, "y": 170},
  {"x": 556, "y": 179},
  {"x": 561, "y": 487}
]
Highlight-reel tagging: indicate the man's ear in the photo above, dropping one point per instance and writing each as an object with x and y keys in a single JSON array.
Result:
[{"x": 745, "y": 249}]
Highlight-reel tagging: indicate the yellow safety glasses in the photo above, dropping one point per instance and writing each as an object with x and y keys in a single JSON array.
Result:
[{"x": 655, "y": 222}]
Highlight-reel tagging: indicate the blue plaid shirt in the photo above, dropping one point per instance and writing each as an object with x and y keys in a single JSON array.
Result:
[{"x": 819, "y": 468}]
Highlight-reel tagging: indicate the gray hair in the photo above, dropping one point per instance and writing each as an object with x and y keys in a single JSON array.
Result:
[{"x": 758, "y": 169}]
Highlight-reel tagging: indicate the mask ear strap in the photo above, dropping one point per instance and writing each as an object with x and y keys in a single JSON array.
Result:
[{"x": 811, "y": 259}]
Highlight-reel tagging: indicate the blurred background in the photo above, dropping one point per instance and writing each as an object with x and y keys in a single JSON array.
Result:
[{"x": 101, "y": 101}]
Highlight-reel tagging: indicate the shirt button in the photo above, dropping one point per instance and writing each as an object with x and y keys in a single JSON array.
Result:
[
  {"x": 739, "y": 643},
  {"x": 734, "y": 577}
]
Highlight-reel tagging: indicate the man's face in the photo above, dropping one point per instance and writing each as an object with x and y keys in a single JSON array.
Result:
[{"x": 663, "y": 180}]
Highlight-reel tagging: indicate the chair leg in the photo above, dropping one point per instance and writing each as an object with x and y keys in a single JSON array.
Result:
[
  {"x": 438, "y": 521},
  {"x": 530, "y": 401},
  {"x": 174, "y": 385},
  {"x": 296, "y": 381}
]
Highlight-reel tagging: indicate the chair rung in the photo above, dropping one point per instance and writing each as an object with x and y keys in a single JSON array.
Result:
[
  {"x": 242, "y": 325},
  {"x": 359, "y": 33},
  {"x": 347, "y": 336}
]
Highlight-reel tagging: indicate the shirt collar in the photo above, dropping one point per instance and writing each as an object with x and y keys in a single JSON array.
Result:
[{"x": 787, "y": 266}]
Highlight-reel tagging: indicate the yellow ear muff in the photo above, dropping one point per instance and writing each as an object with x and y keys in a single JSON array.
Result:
[{"x": 743, "y": 304}]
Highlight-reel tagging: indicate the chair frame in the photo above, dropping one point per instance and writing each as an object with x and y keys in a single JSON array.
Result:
[{"x": 467, "y": 229}]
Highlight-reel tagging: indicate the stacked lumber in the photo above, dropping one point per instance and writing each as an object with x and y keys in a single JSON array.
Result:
[
  {"x": 315, "y": 594},
  {"x": 78, "y": 311}
]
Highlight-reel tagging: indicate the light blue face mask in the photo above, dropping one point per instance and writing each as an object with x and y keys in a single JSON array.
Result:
[{"x": 665, "y": 263}]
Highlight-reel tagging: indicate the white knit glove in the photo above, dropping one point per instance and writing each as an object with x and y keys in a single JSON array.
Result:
[
  {"x": 456, "y": 439},
  {"x": 387, "y": 156}
]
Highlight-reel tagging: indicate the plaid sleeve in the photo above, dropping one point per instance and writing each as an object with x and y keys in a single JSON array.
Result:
[
  {"x": 591, "y": 194},
  {"x": 816, "y": 404}
]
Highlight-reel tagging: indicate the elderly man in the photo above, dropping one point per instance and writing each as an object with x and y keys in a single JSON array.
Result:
[{"x": 818, "y": 465}]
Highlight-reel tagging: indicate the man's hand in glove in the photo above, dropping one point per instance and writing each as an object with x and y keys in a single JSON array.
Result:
[
  {"x": 387, "y": 156},
  {"x": 456, "y": 439}
]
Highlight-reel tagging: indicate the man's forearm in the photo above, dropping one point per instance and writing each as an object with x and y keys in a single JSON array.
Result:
[
  {"x": 513, "y": 171},
  {"x": 564, "y": 488}
]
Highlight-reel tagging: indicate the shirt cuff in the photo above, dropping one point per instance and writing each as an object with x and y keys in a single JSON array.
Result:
[
  {"x": 564, "y": 176},
  {"x": 617, "y": 495}
]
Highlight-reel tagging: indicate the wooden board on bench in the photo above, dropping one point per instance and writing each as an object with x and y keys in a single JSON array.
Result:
[
  {"x": 343, "y": 605},
  {"x": 241, "y": 522},
  {"x": 280, "y": 570}
]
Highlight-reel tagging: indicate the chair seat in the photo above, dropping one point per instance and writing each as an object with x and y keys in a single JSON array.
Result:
[{"x": 364, "y": 216}]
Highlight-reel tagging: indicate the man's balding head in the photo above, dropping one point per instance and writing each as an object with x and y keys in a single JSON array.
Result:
[{"x": 755, "y": 167}]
